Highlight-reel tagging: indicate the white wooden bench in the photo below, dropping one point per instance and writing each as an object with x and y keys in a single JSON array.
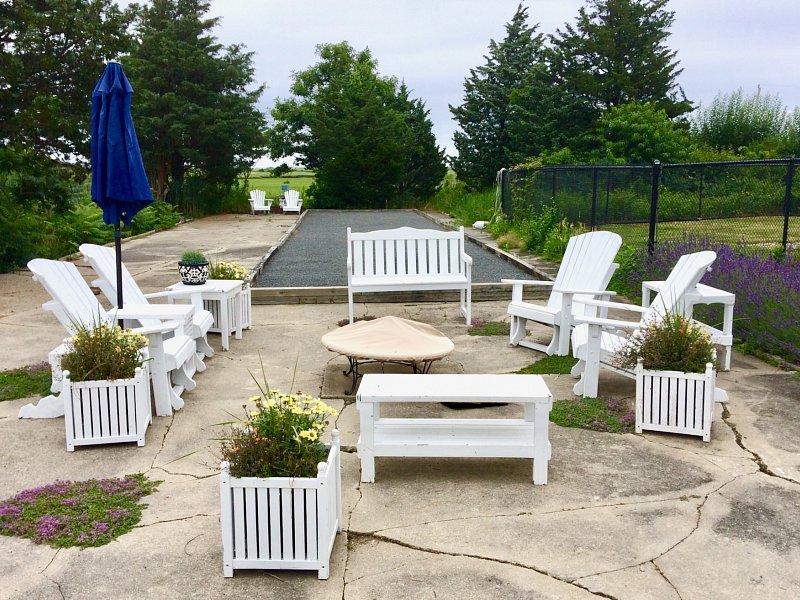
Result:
[
  {"x": 408, "y": 259},
  {"x": 506, "y": 438}
]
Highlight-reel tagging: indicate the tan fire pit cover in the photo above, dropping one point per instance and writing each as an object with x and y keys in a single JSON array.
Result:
[{"x": 389, "y": 338}]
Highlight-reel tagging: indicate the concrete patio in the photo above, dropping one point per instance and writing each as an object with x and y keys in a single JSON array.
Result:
[{"x": 623, "y": 516}]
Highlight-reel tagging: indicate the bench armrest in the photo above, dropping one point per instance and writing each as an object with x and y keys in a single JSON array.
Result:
[{"x": 466, "y": 258}]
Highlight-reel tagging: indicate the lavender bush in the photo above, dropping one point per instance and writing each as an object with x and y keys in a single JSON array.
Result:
[{"x": 767, "y": 290}]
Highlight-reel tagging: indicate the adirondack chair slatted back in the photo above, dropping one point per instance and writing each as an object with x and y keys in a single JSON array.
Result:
[
  {"x": 77, "y": 304},
  {"x": 405, "y": 251},
  {"x": 685, "y": 275},
  {"x": 291, "y": 199},
  {"x": 103, "y": 261},
  {"x": 258, "y": 196},
  {"x": 588, "y": 264}
]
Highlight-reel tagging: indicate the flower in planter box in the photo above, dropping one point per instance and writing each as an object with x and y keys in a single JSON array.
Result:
[
  {"x": 228, "y": 270},
  {"x": 280, "y": 437},
  {"x": 675, "y": 343},
  {"x": 103, "y": 351}
]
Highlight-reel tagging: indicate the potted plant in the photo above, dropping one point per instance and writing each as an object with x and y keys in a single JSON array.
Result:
[
  {"x": 280, "y": 486},
  {"x": 277, "y": 207},
  {"x": 234, "y": 271},
  {"x": 674, "y": 362},
  {"x": 193, "y": 267},
  {"x": 106, "y": 386}
]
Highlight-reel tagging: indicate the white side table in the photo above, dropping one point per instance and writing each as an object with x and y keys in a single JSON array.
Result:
[
  {"x": 223, "y": 299},
  {"x": 704, "y": 294}
]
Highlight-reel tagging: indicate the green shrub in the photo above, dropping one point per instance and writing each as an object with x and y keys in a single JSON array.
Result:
[
  {"x": 193, "y": 257},
  {"x": 159, "y": 216},
  {"x": 555, "y": 244}
]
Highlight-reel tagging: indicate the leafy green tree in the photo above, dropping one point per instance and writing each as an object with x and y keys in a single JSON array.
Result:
[
  {"x": 52, "y": 53},
  {"x": 195, "y": 101},
  {"x": 636, "y": 133},
  {"x": 616, "y": 53},
  {"x": 735, "y": 121},
  {"x": 369, "y": 143},
  {"x": 505, "y": 87}
]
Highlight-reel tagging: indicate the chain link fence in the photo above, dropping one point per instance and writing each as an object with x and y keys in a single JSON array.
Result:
[{"x": 750, "y": 202}]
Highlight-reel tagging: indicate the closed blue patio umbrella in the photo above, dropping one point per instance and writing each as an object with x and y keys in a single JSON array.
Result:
[{"x": 119, "y": 182}]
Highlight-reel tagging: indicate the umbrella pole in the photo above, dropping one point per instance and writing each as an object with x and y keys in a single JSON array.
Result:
[{"x": 118, "y": 248}]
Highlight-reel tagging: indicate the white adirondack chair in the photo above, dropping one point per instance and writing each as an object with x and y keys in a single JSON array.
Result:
[
  {"x": 173, "y": 360},
  {"x": 292, "y": 201},
  {"x": 585, "y": 271},
  {"x": 259, "y": 202},
  {"x": 103, "y": 261},
  {"x": 595, "y": 340}
]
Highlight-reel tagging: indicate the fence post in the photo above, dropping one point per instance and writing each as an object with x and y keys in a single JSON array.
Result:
[
  {"x": 787, "y": 201},
  {"x": 593, "y": 220},
  {"x": 505, "y": 194},
  {"x": 654, "y": 189}
]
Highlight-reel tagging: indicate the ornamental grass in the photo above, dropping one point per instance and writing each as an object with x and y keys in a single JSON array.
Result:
[
  {"x": 103, "y": 351},
  {"x": 280, "y": 436}
]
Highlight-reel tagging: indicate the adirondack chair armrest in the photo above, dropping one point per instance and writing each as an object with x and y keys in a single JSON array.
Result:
[
  {"x": 523, "y": 282},
  {"x": 519, "y": 285},
  {"x": 619, "y": 305},
  {"x": 163, "y": 327},
  {"x": 586, "y": 292},
  {"x": 163, "y": 312},
  {"x": 606, "y": 323}
]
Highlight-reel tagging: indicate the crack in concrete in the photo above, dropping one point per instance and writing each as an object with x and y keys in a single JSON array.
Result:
[
  {"x": 665, "y": 578},
  {"x": 762, "y": 465},
  {"x": 175, "y": 520},
  {"x": 347, "y": 531},
  {"x": 163, "y": 441},
  {"x": 388, "y": 540},
  {"x": 47, "y": 566},
  {"x": 180, "y": 474}
]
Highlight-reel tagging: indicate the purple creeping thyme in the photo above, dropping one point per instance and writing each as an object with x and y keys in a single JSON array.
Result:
[
  {"x": 767, "y": 290},
  {"x": 81, "y": 513}
]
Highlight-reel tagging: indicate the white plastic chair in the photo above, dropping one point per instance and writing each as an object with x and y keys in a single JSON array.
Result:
[
  {"x": 103, "y": 261},
  {"x": 585, "y": 271},
  {"x": 595, "y": 341}
]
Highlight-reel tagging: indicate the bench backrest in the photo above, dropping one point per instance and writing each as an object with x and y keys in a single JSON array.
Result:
[{"x": 405, "y": 251}]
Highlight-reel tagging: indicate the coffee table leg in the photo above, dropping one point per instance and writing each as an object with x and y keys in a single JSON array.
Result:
[
  {"x": 541, "y": 443},
  {"x": 366, "y": 441}
]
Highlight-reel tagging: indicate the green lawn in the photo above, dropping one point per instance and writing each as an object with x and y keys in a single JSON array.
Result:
[
  {"x": 754, "y": 230},
  {"x": 298, "y": 179}
]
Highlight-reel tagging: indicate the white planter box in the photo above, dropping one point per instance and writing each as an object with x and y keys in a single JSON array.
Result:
[
  {"x": 676, "y": 402},
  {"x": 106, "y": 411},
  {"x": 281, "y": 522}
]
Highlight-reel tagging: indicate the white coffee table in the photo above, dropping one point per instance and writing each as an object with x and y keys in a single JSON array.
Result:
[{"x": 521, "y": 438}]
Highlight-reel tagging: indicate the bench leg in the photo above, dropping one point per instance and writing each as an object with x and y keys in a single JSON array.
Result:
[
  {"x": 541, "y": 443},
  {"x": 368, "y": 413},
  {"x": 350, "y": 303}
]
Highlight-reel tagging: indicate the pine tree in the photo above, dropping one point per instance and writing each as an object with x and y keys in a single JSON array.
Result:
[
  {"x": 616, "y": 53},
  {"x": 512, "y": 74},
  {"x": 371, "y": 145}
]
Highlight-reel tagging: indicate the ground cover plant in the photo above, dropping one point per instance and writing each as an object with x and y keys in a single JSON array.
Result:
[
  {"x": 550, "y": 365},
  {"x": 480, "y": 327},
  {"x": 598, "y": 414},
  {"x": 76, "y": 513},
  {"x": 767, "y": 289},
  {"x": 33, "y": 380}
]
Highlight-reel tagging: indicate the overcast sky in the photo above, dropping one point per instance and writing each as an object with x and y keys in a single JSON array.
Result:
[{"x": 431, "y": 44}]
